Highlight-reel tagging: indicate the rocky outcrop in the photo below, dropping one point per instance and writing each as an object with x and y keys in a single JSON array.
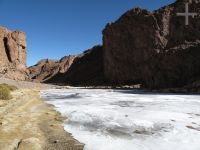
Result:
[
  {"x": 45, "y": 69},
  {"x": 155, "y": 49},
  {"x": 13, "y": 54},
  {"x": 82, "y": 69},
  {"x": 86, "y": 69}
]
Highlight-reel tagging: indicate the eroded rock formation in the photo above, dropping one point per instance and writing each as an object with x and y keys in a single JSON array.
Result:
[
  {"x": 13, "y": 51},
  {"x": 45, "y": 69},
  {"x": 86, "y": 69},
  {"x": 155, "y": 49},
  {"x": 82, "y": 69}
]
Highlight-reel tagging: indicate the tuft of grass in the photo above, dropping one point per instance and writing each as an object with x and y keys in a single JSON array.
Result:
[
  {"x": 5, "y": 91},
  {"x": 10, "y": 87}
]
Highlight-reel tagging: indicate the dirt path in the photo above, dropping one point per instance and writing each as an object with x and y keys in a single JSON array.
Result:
[
  {"x": 26, "y": 84},
  {"x": 27, "y": 123}
]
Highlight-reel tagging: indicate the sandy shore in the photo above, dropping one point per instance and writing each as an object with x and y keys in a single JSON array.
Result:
[
  {"x": 25, "y": 84},
  {"x": 27, "y": 123}
]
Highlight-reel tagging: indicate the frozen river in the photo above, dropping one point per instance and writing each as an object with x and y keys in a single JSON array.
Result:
[{"x": 127, "y": 120}]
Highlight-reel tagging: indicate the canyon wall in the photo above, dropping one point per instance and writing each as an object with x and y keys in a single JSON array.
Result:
[
  {"x": 13, "y": 52},
  {"x": 45, "y": 69},
  {"x": 82, "y": 69},
  {"x": 155, "y": 49}
]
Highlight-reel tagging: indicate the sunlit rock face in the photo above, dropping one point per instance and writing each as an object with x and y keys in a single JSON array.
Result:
[
  {"x": 13, "y": 52},
  {"x": 86, "y": 69},
  {"x": 82, "y": 69},
  {"x": 155, "y": 49},
  {"x": 46, "y": 69}
]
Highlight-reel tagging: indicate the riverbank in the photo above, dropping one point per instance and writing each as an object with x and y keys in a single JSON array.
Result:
[
  {"x": 27, "y": 123},
  {"x": 190, "y": 89}
]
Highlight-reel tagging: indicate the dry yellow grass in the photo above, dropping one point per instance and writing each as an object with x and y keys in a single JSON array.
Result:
[
  {"x": 5, "y": 91},
  {"x": 27, "y": 123}
]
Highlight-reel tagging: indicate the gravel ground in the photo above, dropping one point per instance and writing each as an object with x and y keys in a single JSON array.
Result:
[{"x": 26, "y": 84}]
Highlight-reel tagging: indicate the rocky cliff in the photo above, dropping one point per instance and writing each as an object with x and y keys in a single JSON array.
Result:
[
  {"x": 45, "y": 69},
  {"x": 86, "y": 69},
  {"x": 82, "y": 69},
  {"x": 13, "y": 54},
  {"x": 155, "y": 49}
]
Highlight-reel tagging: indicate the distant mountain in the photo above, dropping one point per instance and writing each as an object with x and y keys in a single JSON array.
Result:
[
  {"x": 45, "y": 69},
  {"x": 82, "y": 69}
]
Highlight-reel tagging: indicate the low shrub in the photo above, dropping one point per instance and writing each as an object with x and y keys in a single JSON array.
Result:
[
  {"x": 5, "y": 91},
  {"x": 10, "y": 87}
]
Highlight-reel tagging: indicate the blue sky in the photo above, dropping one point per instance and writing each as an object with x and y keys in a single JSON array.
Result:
[{"x": 56, "y": 28}]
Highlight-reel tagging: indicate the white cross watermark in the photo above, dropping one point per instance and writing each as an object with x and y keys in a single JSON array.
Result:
[{"x": 187, "y": 14}]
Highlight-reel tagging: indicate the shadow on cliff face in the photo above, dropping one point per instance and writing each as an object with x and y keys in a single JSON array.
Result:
[
  {"x": 7, "y": 50},
  {"x": 177, "y": 69},
  {"x": 178, "y": 63},
  {"x": 155, "y": 49},
  {"x": 86, "y": 69}
]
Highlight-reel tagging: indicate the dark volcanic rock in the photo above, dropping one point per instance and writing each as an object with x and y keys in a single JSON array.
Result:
[
  {"x": 86, "y": 69},
  {"x": 155, "y": 49},
  {"x": 13, "y": 51}
]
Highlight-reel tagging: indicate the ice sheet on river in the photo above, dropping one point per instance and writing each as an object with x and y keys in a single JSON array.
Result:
[{"x": 128, "y": 120}]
